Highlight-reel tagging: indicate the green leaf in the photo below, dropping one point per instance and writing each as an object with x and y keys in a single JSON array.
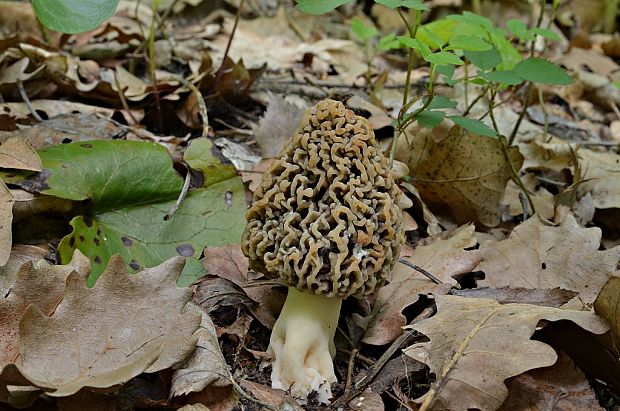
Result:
[
  {"x": 410, "y": 4},
  {"x": 434, "y": 41},
  {"x": 407, "y": 41},
  {"x": 131, "y": 185},
  {"x": 509, "y": 55},
  {"x": 441, "y": 28},
  {"x": 508, "y": 77},
  {"x": 207, "y": 161},
  {"x": 484, "y": 60},
  {"x": 389, "y": 3},
  {"x": 472, "y": 18},
  {"x": 73, "y": 16},
  {"x": 389, "y": 42},
  {"x": 415, "y": 5},
  {"x": 363, "y": 31},
  {"x": 144, "y": 239},
  {"x": 447, "y": 72},
  {"x": 319, "y": 6},
  {"x": 430, "y": 119},
  {"x": 519, "y": 29},
  {"x": 542, "y": 71},
  {"x": 440, "y": 101},
  {"x": 443, "y": 57},
  {"x": 546, "y": 33},
  {"x": 468, "y": 29},
  {"x": 471, "y": 43},
  {"x": 473, "y": 126},
  {"x": 109, "y": 173}
]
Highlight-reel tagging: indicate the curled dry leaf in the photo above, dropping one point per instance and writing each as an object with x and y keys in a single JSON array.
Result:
[
  {"x": 271, "y": 396},
  {"x": 106, "y": 335},
  {"x": 444, "y": 256},
  {"x": 24, "y": 283},
  {"x": 514, "y": 198},
  {"x": 536, "y": 255},
  {"x": 228, "y": 262},
  {"x": 429, "y": 218},
  {"x": 206, "y": 366},
  {"x": 607, "y": 305},
  {"x": 69, "y": 127},
  {"x": 476, "y": 344},
  {"x": 28, "y": 204},
  {"x": 461, "y": 172}
]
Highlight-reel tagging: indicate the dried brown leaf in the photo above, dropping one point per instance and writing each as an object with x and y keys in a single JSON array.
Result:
[
  {"x": 444, "y": 257},
  {"x": 6, "y": 219},
  {"x": 206, "y": 366},
  {"x": 555, "y": 297},
  {"x": 367, "y": 401},
  {"x": 24, "y": 283},
  {"x": 272, "y": 396},
  {"x": 514, "y": 197},
  {"x": 104, "y": 336},
  {"x": 600, "y": 177},
  {"x": 562, "y": 386},
  {"x": 276, "y": 127},
  {"x": 536, "y": 255},
  {"x": 461, "y": 172},
  {"x": 476, "y": 344},
  {"x": 69, "y": 127},
  {"x": 29, "y": 204},
  {"x": 228, "y": 262},
  {"x": 17, "y": 153}
]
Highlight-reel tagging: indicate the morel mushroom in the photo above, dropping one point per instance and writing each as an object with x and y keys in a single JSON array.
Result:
[{"x": 325, "y": 219}]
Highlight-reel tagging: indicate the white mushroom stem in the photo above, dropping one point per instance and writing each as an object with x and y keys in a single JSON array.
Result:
[{"x": 302, "y": 345}]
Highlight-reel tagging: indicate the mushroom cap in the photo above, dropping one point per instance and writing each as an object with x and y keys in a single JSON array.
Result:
[{"x": 325, "y": 217}]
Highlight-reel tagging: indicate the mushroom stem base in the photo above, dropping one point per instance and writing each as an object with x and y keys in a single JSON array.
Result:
[{"x": 302, "y": 345}]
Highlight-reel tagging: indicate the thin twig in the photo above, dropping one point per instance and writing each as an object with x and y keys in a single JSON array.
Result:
[
  {"x": 202, "y": 106},
  {"x": 515, "y": 175},
  {"x": 184, "y": 191},
  {"x": 526, "y": 103},
  {"x": 599, "y": 143},
  {"x": 420, "y": 270},
  {"x": 220, "y": 71},
  {"x": 22, "y": 92},
  {"x": 374, "y": 370},
  {"x": 350, "y": 368},
  {"x": 248, "y": 397},
  {"x": 121, "y": 96},
  {"x": 528, "y": 92}
]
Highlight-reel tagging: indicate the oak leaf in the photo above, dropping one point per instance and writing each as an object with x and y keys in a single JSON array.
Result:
[
  {"x": 444, "y": 257},
  {"x": 476, "y": 344},
  {"x": 104, "y": 336},
  {"x": 23, "y": 283},
  {"x": 461, "y": 172},
  {"x": 536, "y": 255},
  {"x": 206, "y": 366},
  {"x": 17, "y": 153}
]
